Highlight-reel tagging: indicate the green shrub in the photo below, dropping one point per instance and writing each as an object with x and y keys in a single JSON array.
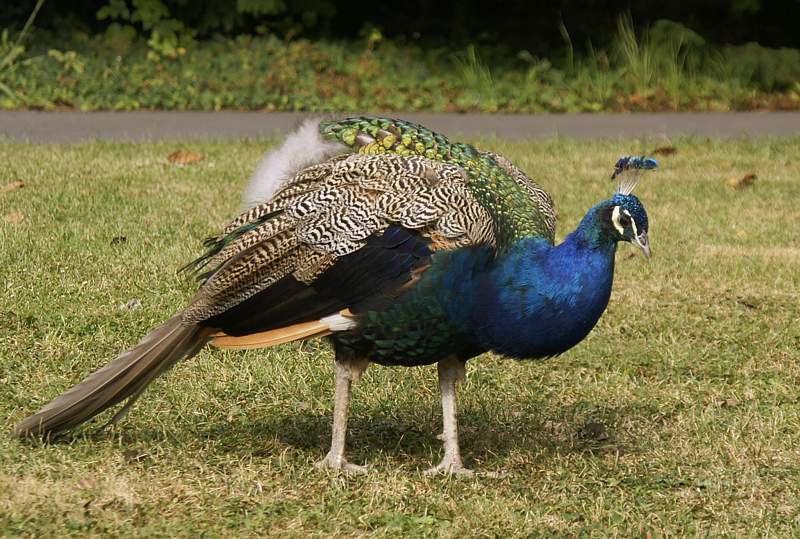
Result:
[
  {"x": 666, "y": 67},
  {"x": 768, "y": 69}
]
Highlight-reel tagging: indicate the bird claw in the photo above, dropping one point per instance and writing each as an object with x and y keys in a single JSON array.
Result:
[
  {"x": 494, "y": 475},
  {"x": 453, "y": 466},
  {"x": 450, "y": 466},
  {"x": 339, "y": 464}
]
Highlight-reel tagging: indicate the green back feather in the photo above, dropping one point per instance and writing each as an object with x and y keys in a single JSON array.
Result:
[{"x": 515, "y": 214}]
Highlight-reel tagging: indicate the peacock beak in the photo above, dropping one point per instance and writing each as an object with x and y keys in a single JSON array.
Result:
[{"x": 643, "y": 243}]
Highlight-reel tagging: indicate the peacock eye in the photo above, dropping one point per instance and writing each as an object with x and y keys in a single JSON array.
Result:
[{"x": 624, "y": 220}]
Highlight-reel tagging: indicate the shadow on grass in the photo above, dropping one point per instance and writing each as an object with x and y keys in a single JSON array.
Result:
[
  {"x": 484, "y": 437},
  {"x": 487, "y": 437}
]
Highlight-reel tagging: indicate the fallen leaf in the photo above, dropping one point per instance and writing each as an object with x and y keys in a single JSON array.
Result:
[
  {"x": 637, "y": 100},
  {"x": 15, "y": 217},
  {"x": 740, "y": 183},
  {"x": 16, "y": 184},
  {"x": 184, "y": 157},
  {"x": 665, "y": 150}
]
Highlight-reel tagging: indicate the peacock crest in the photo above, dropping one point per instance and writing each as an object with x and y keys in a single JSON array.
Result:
[{"x": 628, "y": 171}]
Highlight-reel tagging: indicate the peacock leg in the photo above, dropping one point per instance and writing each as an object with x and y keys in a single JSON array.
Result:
[
  {"x": 451, "y": 370},
  {"x": 347, "y": 371}
]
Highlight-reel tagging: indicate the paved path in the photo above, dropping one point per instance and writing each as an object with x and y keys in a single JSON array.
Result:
[{"x": 77, "y": 126}]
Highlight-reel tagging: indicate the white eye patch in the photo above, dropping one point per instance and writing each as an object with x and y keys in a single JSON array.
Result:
[
  {"x": 633, "y": 224},
  {"x": 615, "y": 220}
]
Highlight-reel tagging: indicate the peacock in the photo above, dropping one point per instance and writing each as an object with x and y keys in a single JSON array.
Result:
[{"x": 399, "y": 246}]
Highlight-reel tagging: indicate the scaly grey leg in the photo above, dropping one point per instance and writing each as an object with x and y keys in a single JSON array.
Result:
[
  {"x": 346, "y": 372},
  {"x": 451, "y": 370}
]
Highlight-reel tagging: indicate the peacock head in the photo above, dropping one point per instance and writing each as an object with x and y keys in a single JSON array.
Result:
[
  {"x": 622, "y": 217},
  {"x": 628, "y": 220},
  {"x": 627, "y": 216}
]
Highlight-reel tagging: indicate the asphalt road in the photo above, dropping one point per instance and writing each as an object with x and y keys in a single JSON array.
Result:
[{"x": 68, "y": 127}]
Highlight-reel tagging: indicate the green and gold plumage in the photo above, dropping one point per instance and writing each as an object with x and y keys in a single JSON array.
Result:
[
  {"x": 389, "y": 172},
  {"x": 518, "y": 206}
]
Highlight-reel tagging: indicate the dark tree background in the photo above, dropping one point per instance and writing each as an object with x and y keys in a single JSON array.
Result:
[{"x": 518, "y": 24}]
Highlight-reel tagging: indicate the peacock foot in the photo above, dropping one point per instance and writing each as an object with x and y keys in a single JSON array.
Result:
[
  {"x": 450, "y": 466},
  {"x": 339, "y": 463},
  {"x": 453, "y": 466}
]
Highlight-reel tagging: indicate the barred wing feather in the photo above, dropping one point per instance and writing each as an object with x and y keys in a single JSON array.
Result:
[{"x": 329, "y": 211}]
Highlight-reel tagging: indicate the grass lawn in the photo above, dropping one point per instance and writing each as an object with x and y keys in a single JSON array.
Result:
[{"x": 679, "y": 415}]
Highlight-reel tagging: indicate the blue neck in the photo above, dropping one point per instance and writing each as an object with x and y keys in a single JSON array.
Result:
[
  {"x": 540, "y": 300},
  {"x": 594, "y": 230}
]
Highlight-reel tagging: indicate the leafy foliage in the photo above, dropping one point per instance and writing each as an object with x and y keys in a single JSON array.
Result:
[
  {"x": 777, "y": 69},
  {"x": 165, "y": 33},
  {"x": 664, "y": 67}
]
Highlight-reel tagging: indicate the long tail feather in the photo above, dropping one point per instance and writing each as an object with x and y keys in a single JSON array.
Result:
[
  {"x": 341, "y": 321},
  {"x": 273, "y": 337},
  {"x": 124, "y": 378}
]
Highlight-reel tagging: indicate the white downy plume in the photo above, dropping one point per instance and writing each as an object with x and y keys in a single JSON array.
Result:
[{"x": 302, "y": 148}]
